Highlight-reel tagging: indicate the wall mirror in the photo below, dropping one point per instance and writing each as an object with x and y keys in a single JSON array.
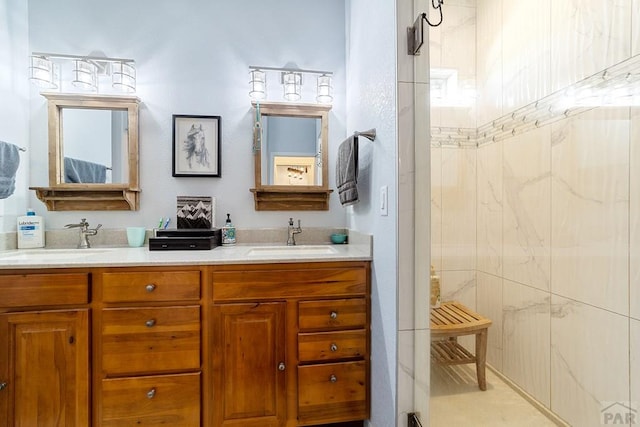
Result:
[
  {"x": 291, "y": 156},
  {"x": 93, "y": 153}
]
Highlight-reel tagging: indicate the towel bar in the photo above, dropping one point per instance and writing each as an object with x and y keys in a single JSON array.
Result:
[
  {"x": 22, "y": 149},
  {"x": 369, "y": 134}
]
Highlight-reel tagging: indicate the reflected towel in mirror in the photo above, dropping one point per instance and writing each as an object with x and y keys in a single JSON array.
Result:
[
  {"x": 80, "y": 171},
  {"x": 9, "y": 162},
  {"x": 347, "y": 171}
]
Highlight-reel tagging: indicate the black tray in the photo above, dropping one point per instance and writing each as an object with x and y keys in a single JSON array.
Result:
[{"x": 185, "y": 239}]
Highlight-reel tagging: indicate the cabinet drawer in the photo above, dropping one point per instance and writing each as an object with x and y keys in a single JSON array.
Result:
[
  {"x": 321, "y": 346},
  {"x": 141, "y": 286},
  {"x": 27, "y": 290},
  {"x": 332, "y": 392},
  {"x": 138, "y": 340},
  {"x": 151, "y": 401},
  {"x": 332, "y": 314}
]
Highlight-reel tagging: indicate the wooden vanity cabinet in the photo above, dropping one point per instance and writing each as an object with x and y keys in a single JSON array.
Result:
[
  {"x": 44, "y": 349},
  {"x": 320, "y": 350},
  {"x": 148, "y": 341}
]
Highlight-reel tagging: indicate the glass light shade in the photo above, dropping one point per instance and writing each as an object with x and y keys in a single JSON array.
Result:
[
  {"x": 324, "y": 95},
  {"x": 43, "y": 72},
  {"x": 123, "y": 77},
  {"x": 292, "y": 83},
  {"x": 85, "y": 75},
  {"x": 257, "y": 84}
]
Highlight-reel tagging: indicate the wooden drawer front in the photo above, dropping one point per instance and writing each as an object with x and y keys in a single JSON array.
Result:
[
  {"x": 303, "y": 282},
  {"x": 172, "y": 400},
  {"x": 138, "y": 340},
  {"x": 151, "y": 286},
  {"x": 332, "y": 392},
  {"x": 27, "y": 290},
  {"x": 321, "y": 346},
  {"x": 332, "y": 314}
]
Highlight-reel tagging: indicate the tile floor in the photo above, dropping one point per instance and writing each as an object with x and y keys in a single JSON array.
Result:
[{"x": 456, "y": 401}]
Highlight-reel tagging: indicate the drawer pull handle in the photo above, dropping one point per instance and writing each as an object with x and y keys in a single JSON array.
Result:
[
  {"x": 334, "y": 315},
  {"x": 3, "y": 385},
  {"x": 334, "y": 347},
  {"x": 281, "y": 366},
  {"x": 150, "y": 323},
  {"x": 150, "y": 287},
  {"x": 333, "y": 378},
  {"x": 151, "y": 393}
]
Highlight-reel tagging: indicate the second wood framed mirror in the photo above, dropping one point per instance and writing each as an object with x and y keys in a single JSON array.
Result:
[{"x": 291, "y": 156}]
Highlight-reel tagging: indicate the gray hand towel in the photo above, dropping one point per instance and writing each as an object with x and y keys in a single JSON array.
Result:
[
  {"x": 9, "y": 162},
  {"x": 81, "y": 171},
  {"x": 347, "y": 171}
]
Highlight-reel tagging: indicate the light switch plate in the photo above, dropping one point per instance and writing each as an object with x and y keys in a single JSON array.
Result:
[{"x": 384, "y": 201}]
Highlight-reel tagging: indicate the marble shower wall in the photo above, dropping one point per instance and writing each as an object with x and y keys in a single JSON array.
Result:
[{"x": 557, "y": 210}]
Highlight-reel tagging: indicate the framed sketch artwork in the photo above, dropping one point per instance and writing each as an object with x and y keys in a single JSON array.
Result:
[{"x": 196, "y": 146}]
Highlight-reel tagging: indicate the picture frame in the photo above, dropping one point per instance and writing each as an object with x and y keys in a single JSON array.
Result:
[{"x": 196, "y": 146}]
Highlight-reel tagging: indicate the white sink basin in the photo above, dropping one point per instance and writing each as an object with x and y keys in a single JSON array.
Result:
[
  {"x": 291, "y": 251},
  {"x": 50, "y": 254}
]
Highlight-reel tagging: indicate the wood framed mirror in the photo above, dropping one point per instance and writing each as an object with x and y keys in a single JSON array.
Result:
[
  {"x": 93, "y": 153},
  {"x": 291, "y": 156}
]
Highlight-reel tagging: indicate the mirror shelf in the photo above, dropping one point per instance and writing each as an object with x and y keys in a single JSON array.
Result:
[
  {"x": 291, "y": 138},
  {"x": 64, "y": 193}
]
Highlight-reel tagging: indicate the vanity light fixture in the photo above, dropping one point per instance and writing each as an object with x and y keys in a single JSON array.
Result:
[
  {"x": 292, "y": 84},
  {"x": 325, "y": 91},
  {"x": 43, "y": 73},
  {"x": 86, "y": 72},
  {"x": 292, "y": 80},
  {"x": 257, "y": 84}
]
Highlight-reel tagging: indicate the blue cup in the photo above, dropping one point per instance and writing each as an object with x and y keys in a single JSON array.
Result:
[{"x": 135, "y": 236}]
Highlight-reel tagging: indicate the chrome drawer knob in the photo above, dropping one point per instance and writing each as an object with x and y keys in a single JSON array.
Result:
[
  {"x": 334, "y": 315},
  {"x": 151, "y": 393},
  {"x": 150, "y": 323},
  {"x": 150, "y": 287},
  {"x": 333, "y": 379},
  {"x": 281, "y": 366},
  {"x": 3, "y": 385},
  {"x": 334, "y": 347}
]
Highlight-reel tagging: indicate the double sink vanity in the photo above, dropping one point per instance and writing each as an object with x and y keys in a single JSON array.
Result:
[{"x": 250, "y": 335}]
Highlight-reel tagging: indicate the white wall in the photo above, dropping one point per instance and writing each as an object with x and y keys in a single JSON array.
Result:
[
  {"x": 192, "y": 57},
  {"x": 14, "y": 125},
  {"x": 371, "y": 103}
]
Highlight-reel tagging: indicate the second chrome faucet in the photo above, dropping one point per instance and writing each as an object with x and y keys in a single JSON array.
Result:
[
  {"x": 85, "y": 231},
  {"x": 292, "y": 231}
]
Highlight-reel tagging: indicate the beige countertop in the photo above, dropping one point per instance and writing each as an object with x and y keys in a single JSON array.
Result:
[{"x": 142, "y": 256}]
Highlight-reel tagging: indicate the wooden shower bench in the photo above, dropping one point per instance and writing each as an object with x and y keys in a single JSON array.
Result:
[{"x": 448, "y": 322}]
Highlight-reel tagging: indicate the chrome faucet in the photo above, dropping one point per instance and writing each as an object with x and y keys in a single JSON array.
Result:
[
  {"x": 84, "y": 232},
  {"x": 292, "y": 231}
]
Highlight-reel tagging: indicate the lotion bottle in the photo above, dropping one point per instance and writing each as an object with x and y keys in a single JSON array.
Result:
[{"x": 30, "y": 231}]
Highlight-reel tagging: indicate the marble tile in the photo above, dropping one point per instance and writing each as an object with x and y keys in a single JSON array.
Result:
[
  {"x": 635, "y": 366},
  {"x": 489, "y": 210},
  {"x": 406, "y": 242},
  {"x": 405, "y": 375},
  {"x": 634, "y": 216},
  {"x": 526, "y": 52},
  {"x": 422, "y": 374},
  {"x": 587, "y": 36},
  {"x": 458, "y": 209},
  {"x": 635, "y": 27},
  {"x": 489, "y": 60},
  {"x": 590, "y": 208},
  {"x": 458, "y": 39},
  {"x": 589, "y": 360},
  {"x": 526, "y": 339},
  {"x": 489, "y": 304},
  {"x": 406, "y": 126},
  {"x": 527, "y": 208},
  {"x": 436, "y": 208}
]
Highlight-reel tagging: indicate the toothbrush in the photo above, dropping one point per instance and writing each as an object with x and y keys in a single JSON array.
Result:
[
  {"x": 161, "y": 221},
  {"x": 166, "y": 224}
]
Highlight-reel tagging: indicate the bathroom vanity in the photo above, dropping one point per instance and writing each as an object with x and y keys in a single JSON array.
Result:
[{"x": 223, "y": 338}]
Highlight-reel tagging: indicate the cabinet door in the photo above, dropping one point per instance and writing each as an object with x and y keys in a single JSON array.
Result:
[
  {"x": 44, "y": 366},
  {"x": 249, "y": 364}
]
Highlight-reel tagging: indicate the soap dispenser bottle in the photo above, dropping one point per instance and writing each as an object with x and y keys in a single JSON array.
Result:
[
  {"x": 30, "y": 231},
  {"x": 228, "y": 232}
]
